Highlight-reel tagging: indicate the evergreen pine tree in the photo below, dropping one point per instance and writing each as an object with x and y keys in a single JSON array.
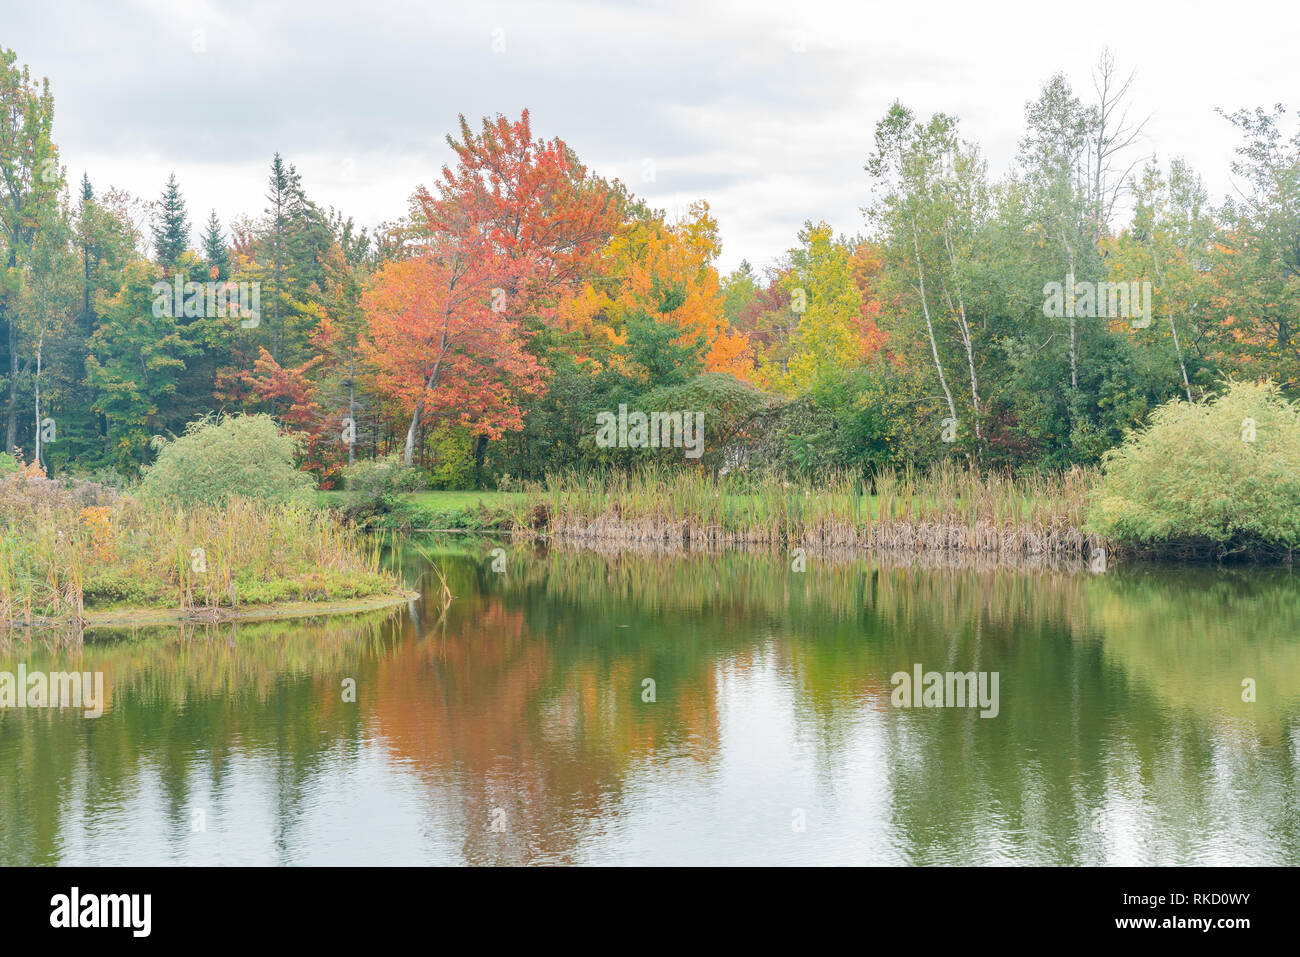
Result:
[
  {"x": 283, "y": 183},
  {"x": 295, "y": 237},
  {"x": 87, "y": 251},
  {"x": 171, "y": 231},
  {"x": 214, "y": 247}
]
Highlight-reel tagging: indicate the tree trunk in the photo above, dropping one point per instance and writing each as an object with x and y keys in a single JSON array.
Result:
[
  {"x": 1182, "y": 365},
  {"x": 929, "y": 326},
  {"x": 11, "y": 427},
  {"x": 480, "y": 454},
  {"x": 40, "y": 346},
  {"x": 966, "y": 339},
  {"x": 409, "y": 457},
  {"x": 1074, "y": 342},
  {"x": 352, "y": 403},
  {"x": 419, "y": 406},
  {"x": 1074, "y": 358}
]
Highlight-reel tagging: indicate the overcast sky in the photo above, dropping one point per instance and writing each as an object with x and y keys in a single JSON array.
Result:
[{"x": 765, "y": 109}]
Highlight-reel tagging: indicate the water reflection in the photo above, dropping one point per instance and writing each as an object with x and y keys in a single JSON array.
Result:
[{"x": 514, "y": 727}]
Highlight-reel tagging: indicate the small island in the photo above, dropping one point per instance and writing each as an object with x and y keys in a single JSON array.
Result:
[{"x": 221, "y": 528}]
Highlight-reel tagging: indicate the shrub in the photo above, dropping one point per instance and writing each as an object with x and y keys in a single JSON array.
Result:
[
  {"x": 1221, "y": 476},
  {"x": 413, "y": 479},
  {"x": 728, "y": 405},
  {"x": 25, "y": 495},
  {"x": 8, "y": 464},
  {"x": 374, "y": 485},
  {"x": 111, "y": 588},
  {"x": 226, "y": 456}
]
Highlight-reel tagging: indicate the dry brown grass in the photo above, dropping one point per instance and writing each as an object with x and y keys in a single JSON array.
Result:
[
  {"x": 67, "y": 546},
  {"x": 949, "y": 510}
]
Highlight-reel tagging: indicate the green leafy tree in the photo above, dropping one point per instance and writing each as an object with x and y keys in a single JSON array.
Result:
[
  {"x": 1260, "y": 261},
  {"x": 137, "y": 357},
  {"x": 32, "y": 178},
  {"x": 293, "y": 240},
  {"x": 933, "y": 208}
]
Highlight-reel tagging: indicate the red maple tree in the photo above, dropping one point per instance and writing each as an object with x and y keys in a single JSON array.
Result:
[{"x": 447, "y": 327}]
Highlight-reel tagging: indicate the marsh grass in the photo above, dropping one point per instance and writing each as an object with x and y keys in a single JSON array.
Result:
[
  {"x": 65, "y": 549},
  {"x": 947, "y": 509}
]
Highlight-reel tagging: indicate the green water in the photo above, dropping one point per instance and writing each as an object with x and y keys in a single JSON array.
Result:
[{"x": 515, "y": 727}]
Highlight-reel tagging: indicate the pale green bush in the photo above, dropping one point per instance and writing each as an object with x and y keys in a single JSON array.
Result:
[
  {"x": 221, "y": 457},
  {"x": 1221, "y": 475},
  {"x": 375, "y": 485}
]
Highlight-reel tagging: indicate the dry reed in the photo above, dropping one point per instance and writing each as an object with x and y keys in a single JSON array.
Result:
[{"x": 947, "y": 510}]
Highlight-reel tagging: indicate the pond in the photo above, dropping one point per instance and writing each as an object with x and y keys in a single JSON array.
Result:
[{"x": 606, "y": 707}]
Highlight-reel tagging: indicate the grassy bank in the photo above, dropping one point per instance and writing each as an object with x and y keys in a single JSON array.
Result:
[
  {"x": 946, "y": 510},
  {"x": 71, "y": 552},
  {"x": 439, "y": 510}
]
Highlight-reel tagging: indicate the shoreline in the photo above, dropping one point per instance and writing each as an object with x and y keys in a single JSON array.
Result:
[
  {"x": 143, "y": 617},
  {"x": 955, "y": 537}
]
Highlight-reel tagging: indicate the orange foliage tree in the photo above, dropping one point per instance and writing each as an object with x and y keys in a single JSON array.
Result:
[{"x": 513, "y": 221}]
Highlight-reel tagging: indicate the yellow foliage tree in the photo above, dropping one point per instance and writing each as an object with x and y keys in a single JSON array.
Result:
[{"x": 665, "y": 270}]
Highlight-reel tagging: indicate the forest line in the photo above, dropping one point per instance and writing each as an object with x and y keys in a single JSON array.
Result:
[{"x": 1008, "y": 321}]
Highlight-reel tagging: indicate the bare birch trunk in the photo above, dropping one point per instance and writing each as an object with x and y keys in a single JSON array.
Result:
[
  {"x": 966, "y": 339},
  {"x": 929, "y": 326}
]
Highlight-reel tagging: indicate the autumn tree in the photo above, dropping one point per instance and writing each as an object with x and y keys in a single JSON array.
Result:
[
  {"x": 438, "y": 344},
  {"x": 541, "y": 214},
  {"x": 833, "y": 330},
  {"x": 661, "y": 272},
  {"x": 513, "y": 222},
  {"x": 296, "y": 393}
]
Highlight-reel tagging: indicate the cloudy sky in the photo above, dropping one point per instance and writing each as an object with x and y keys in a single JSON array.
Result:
[{"x": 765, "y": 109}]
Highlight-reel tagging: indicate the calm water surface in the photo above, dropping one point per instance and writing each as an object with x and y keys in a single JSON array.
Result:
[{"x": 513, "y": 727}]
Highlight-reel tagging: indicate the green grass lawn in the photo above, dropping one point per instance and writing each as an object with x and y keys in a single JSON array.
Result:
[
  {"x": 445, "y": 501},
  {"x": 468, "y": 501},
  {"x": 469, "y": 510},
  {"x": 440, "y": 501}
]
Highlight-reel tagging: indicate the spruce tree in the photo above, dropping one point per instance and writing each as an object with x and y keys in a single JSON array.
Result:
[
  {"x": 171, "y": 231},
  {"x": 295, "y": 237},
  {"x": 283, "y": 184},
  {"x": 87, "y": 250},
  {"x": 214, "y": 247}
]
